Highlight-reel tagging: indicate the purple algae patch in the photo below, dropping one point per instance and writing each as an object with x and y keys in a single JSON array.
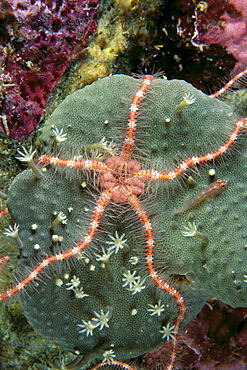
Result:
[{"x": 38, "y": 39}]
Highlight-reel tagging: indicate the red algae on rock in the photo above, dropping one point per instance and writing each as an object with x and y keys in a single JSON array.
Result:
[{"x": 38, "y": 39}]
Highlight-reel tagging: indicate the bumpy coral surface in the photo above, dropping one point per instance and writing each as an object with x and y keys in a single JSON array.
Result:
[
  {"x": 103, "y": 301},
  {"x": 38, "y": 39}
]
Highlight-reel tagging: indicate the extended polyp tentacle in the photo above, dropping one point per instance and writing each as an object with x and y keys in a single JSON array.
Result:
[
  {"x": 152, "y": 272},
  {"x": 27, "y": 156},
  {"x": 98, "y": 212},
  {"x": 73, "y": 163},
  {"x": 239, "y": 127}
]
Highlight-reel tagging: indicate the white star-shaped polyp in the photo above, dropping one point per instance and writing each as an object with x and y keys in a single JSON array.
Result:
[
  {"x": 129, "y": 278},
  {"x": 117, "y": 243},
  {"x": 59, "y": 135},
  {"x": 134, "y": 260},
  {"x": 87, "y": 326},
  {"x": 190, "y": 230},
  {"x": 12, "y": 231},
  {"x": 137, "y": 286},
  {"x": 105, "y": 256},
  {"x": 168, "y": 332},
  {"x": 108, "y": 356},
  {"x": 102, "y": 318},
  {"x": 74, "y": 283},
  {"x": 156, "y": 309},
  {"x": 79, "y": 293}
]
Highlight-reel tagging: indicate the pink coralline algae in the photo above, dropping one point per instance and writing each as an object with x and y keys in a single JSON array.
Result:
[
  {"x": 38, "y": 39},
  {"x": 232, "y": 33}
]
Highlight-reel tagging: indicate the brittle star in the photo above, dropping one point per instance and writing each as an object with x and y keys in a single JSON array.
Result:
[{"x": 121, "y": 179}]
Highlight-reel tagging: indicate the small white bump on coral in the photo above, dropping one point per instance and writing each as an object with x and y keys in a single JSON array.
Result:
[
  {"x": 133, "y": 312},
  {"x": 57, "y": 238},
  {"x": 58, "y": 281},
  {"x": 92, "y": 267}
]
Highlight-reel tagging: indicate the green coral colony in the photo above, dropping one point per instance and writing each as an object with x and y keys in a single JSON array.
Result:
[{"x": 102, "y": 303}]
